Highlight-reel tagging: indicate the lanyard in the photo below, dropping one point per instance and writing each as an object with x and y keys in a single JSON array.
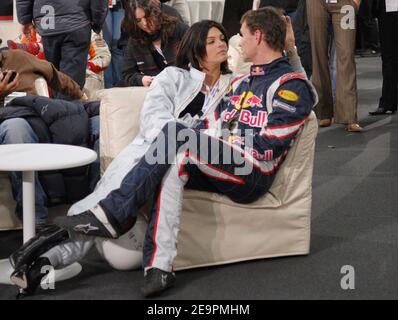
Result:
[{"x": 211, "y": 92}]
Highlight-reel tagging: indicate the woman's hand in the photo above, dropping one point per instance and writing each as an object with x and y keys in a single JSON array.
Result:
[
  {"x": 147, "y": 80},
  {"x": 5, "y": 87}
]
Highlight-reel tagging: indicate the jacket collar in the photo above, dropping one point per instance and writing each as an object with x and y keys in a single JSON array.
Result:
[{"x": 265, "y": 69}]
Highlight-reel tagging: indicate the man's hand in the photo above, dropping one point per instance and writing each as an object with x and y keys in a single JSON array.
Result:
[
  {"x": 5, "y": 87},
  {"x": 357, "y": 2},
  {"x": 27, "y": 30},
  {"x": 290, "y": 41},
  {"x": 100, "y": 43}
]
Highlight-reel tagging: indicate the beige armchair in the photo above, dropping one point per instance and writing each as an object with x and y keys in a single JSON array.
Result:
[{"x": 214, "y": 229}]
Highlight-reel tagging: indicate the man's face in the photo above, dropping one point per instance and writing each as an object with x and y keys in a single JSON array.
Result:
[{"x": 248, "y": 43}]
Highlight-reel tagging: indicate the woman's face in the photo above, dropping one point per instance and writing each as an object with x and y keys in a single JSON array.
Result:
[
  {"x": 146, "y": 24},
  {"x": 216, "y": 47}
]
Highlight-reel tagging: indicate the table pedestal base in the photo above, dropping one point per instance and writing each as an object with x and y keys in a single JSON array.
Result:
[{"x": 62, "y": 274}]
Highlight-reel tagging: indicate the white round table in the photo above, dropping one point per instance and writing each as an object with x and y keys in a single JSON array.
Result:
[{"x": 30, "y": 158}]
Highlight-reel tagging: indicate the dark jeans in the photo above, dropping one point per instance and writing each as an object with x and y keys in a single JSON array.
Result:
[
  {"x": 388, "y": 26},
  {"x": 68, "y": 53}
]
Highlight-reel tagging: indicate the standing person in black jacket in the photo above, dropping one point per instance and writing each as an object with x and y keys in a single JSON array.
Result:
[
  {"x": 302, "y": 35},
  {"x": 65, "y": 27},
  {"x": 233, "y": 12},
  {"x": 388, "y": 29},
  {"x": 289, "y": 6},
  {"x": 154, "y": 37}
]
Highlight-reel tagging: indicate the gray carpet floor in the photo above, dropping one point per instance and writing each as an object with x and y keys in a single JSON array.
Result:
[{"x": 354, "y": 222}]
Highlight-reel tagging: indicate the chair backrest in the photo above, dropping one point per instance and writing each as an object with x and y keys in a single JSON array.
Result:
[{"x": 120, "y": 113}]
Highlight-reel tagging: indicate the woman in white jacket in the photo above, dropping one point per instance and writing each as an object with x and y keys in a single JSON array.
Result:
[{"x": 189, "y": 91}]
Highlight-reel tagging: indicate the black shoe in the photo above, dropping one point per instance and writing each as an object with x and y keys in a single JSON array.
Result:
[
  {"x": 84, "y": 223},
  {"x": 368, "y": 53},
  {"x": 156, "y": 281},
  {"x": 43, "y": 241},
  {"x": 380, "y": 111},
  {"x": 28, "y": 278}
]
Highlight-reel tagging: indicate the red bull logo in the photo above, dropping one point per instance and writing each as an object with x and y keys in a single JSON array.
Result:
[
  {"x": 266, "y": 156},
  {"x": 246, "y": 100},
  {"x": 259, "y": 120},
  {"x": 257, "y": 71}
]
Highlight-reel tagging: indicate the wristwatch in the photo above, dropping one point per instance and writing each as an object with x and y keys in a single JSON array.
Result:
[{"x": 292, "y": 51}]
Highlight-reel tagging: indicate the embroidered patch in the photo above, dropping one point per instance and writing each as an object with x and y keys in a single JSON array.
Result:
[
  {"x": 284, "y": 106},
  {"x": 288, "y": 95},
  {"x": 290, "y": 76}
]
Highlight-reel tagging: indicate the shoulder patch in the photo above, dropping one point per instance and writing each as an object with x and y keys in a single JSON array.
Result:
[
  {"x": 290, "y": 76},
  {"x": 288, "y": 95},
  {"x": 284, "y": 106}
]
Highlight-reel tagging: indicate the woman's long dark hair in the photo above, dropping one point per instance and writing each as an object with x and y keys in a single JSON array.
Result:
[
  {"x": 152, "y": 10},
  {"x": 193, "y": 45}
]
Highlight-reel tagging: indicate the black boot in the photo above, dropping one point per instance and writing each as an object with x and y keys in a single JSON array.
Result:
[
  {"x": 28, "y": 278},
  {"x": 156, "y": 281},
  {"x": 43, "y": 241}
]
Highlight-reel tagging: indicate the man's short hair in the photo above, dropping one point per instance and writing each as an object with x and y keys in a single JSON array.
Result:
[{"x": 270, "y": 22}]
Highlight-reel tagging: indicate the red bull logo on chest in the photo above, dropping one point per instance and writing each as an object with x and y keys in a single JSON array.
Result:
[
  {"x": 246, "y": 100},
  {"x": 259, "y": 120}
]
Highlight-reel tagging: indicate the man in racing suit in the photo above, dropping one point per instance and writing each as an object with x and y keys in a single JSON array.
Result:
[{"x": 250, "y": 137}]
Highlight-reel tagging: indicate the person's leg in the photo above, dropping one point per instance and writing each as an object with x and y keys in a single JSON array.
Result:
[
  {"x": 389, "y": 51},
  {"x": 117, "y": 52},
  {"x": 52, "y": 49},
  {"x": 74, "y": 54},
  {"x": 112, "y": 32},
  {"x": 94, "y": 172},
  {"x": 212, "y": 165},
  {"x": 107, "y": 31},
  {"x": 51, "y": 247},
  {"x": 115, "y": 214},
  {"x": 332, "y": 63},
  {"x": 18, "y": 130},
  {"x": 318, "y": 21},
  {"x": 70, "y": 251},
  {"x": 346, "y": 88}
]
